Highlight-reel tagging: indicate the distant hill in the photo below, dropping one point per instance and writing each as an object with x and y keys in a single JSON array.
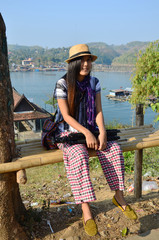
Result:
[
  {"x": 16, "y": 47},
  {"x": 121, "y": 49},
  {"x": 128, "y": 53},
  {"x": 107, "y": 54}
]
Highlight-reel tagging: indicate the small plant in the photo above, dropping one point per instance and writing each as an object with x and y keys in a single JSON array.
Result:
[
  {"x": 94, "y": 163},
  {"x": 151, "y": 161},
  {"x": 129, "y": 161},
  {"x": 52, "y": 101}
]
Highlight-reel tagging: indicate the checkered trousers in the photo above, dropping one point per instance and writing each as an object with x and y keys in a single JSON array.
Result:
[{"x": 76, "y": 160}]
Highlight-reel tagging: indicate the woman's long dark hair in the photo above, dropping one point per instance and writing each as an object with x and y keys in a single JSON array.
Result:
[{"x": 71, "y": 77}]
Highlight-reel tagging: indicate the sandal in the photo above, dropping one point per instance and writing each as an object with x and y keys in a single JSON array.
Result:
[
  {"x": 128, "y": 212},
  {"x": 90, "y": 227}
]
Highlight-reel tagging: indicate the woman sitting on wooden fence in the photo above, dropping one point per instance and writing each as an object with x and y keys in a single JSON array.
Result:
[{"x": 79, "y": 105}]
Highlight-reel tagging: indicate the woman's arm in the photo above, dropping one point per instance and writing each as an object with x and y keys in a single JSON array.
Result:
[
  {"x": 100, "y": 123},
  {"x": 90, "y": 138}
]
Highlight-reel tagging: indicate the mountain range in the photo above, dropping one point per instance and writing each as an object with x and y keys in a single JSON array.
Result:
[{"x": 107, "y": 54}]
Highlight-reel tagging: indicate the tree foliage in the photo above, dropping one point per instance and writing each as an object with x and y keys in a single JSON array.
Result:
[{"x": 145, "y": 79}]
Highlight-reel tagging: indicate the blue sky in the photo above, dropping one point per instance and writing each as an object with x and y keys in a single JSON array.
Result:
[{"x": 63, "y": 23}]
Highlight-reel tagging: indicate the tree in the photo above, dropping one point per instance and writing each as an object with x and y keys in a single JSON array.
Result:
[
  {"x": 11, "y": 207},
  {"x": 145, "y": 79}
]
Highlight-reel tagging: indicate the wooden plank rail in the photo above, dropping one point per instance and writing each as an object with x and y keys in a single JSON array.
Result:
[{"x": 32, "y": 154}]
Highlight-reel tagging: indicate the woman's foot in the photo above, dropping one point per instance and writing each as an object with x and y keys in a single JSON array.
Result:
[
  {"x": 119, "y": 197},
  {"x": 86, "y": 212},
  {"x": 89, "y": 224},
  {"x": 120, "y": 202}
]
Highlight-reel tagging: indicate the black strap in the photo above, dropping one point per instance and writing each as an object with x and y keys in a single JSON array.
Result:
[
  {"x": 53, "y": 116},
  {"x": 77, "y": 54}
]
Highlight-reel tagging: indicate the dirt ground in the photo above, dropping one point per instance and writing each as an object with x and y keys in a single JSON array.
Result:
[{"x": 65, "y": 217}]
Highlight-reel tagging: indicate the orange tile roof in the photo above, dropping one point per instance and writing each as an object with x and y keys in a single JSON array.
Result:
[{"x": 30, "y": 116}]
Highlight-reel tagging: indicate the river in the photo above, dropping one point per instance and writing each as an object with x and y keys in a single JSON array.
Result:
[{"x": 38, "y": 87}]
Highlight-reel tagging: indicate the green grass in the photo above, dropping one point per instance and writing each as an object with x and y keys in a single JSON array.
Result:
[
  {"x": 39, "y": 177},
  {"x": 151, "y": 161}
]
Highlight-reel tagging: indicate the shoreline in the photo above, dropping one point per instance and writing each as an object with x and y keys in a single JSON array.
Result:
[{"x": 95, "y": 67}]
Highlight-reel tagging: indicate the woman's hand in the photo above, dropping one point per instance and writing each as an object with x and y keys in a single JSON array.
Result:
[
  {"x": 91, "y": 140},
  {"x": 102, "y": 138}
]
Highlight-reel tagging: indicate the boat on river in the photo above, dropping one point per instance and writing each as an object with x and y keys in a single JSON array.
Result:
[{"x": 121, "y": 95}]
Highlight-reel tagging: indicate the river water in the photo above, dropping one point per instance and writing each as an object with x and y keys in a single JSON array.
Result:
[{"x": 38, "y": 87}]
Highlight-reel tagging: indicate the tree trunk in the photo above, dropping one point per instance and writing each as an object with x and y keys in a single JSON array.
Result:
[{"x": 11, "y": 206}]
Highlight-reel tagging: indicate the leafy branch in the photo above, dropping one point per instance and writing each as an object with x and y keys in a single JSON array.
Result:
[{"x": 145, "y": 79}]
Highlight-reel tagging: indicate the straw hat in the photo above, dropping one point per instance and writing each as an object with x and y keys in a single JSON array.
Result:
[{"x": 79, "y": 51}]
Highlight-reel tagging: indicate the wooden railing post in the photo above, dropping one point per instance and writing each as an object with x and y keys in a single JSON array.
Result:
[{"x": 138, "y": 156}]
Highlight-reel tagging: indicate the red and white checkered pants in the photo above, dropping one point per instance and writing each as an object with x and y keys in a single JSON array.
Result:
[{"x": 76, "y": 163}]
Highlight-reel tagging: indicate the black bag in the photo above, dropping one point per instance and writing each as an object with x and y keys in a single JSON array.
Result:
[{"x": 78, "y": 138}]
